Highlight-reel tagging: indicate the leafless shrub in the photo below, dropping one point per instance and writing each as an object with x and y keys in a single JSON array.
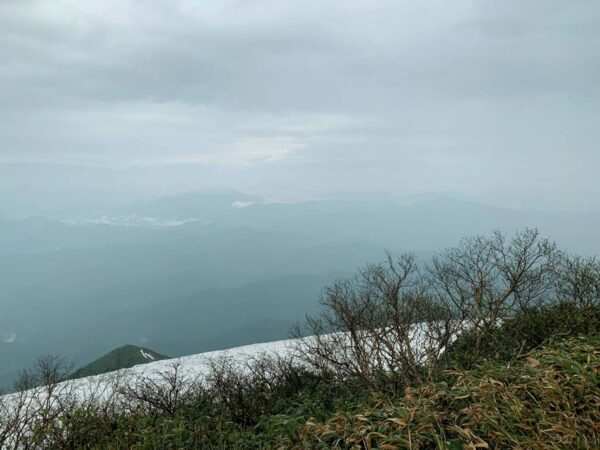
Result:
[
  {"x": 161, "y": 392},
  {"x": 389, "y": 325},
  {"x": 228, "y": 387},
  {"x": 29, "y": 415},
  {"x": 578, "y": 280},
  {"x": 370, "y": 326},
  {"x": 244, "y": 389},
  {"x": 14, "y": 414},
  {"x": 487, "y": 278},
  {"x": 283, "y": 373}
]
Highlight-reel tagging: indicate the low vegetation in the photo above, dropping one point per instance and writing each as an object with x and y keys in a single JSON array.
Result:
[
  {"x": 551, "y": 399},
  {"x": 495, "y": 344}
]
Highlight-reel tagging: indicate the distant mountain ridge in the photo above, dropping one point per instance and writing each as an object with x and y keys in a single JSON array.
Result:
[{"x": 119, "y": 358}]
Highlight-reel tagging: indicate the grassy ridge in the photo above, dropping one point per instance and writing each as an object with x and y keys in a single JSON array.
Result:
[{"x": 549, "y": 399}]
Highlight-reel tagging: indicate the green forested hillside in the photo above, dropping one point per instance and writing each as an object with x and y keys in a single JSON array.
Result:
[{"x": 119, "y": 358}]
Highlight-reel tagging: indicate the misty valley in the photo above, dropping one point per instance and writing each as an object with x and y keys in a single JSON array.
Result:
[{"x": 233, "y": 275}]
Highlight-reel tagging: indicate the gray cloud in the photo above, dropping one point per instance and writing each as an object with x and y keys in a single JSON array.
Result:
[{"x": 302, "y": 97}]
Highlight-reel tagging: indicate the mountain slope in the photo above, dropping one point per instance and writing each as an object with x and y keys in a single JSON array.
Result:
[{"x": 119, "y": 358}]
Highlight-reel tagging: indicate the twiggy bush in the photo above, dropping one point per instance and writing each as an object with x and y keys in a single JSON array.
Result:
[
  {"x": 390, "y": 325},
  {"x": 382, "y": 327}
]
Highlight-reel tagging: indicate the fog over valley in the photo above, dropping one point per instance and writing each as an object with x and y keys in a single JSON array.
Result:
[{"x": 205, "y": 271}]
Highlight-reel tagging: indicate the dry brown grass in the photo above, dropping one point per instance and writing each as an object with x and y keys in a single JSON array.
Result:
[{"x": 550, "y": 400}]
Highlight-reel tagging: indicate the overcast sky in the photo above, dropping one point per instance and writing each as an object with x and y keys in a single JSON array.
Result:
[{"x": 300, "y": 98}]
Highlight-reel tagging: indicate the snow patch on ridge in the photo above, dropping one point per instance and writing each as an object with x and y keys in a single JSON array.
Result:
[{"x": 147, "y": 355}]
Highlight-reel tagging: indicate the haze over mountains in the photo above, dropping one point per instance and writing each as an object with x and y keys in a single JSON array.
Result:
[{"x": 203, "y": 271}]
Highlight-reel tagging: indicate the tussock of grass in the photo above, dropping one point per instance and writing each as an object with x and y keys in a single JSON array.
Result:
[{"x": 549, "y": 400}]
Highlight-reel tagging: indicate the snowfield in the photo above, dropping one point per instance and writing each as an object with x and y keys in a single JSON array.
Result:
[
  {"x": 103, "y": 390},
  {"x": 114, "y": 391},
  {"x": 192, "y": 367}
]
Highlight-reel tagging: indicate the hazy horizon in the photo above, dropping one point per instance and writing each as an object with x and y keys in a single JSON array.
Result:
[{"x": 121, "y": 100}]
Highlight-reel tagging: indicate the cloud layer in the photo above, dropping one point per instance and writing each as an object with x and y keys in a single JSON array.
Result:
[{"x": 305, "y": 96}]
